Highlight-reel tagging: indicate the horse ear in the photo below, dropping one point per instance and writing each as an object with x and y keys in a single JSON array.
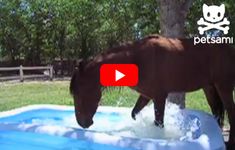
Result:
[
  {"x": 83, "y": 62},
  {"x": 81, "y": 65}
]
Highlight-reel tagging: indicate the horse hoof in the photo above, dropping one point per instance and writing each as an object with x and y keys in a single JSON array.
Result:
[
  {"x": 133, "y": 115},
  {"x": 158, "y": 124}
]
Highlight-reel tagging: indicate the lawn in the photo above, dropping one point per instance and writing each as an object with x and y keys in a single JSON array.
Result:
[{"x": 13, "y": 95}]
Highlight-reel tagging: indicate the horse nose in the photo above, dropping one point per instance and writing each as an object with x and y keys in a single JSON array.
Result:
[{"x": 83, "y": 122}]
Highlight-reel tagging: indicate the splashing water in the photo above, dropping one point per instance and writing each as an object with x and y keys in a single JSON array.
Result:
[
  {"x": 144, "y": 126},
  {"x": 176, "y": 125}
]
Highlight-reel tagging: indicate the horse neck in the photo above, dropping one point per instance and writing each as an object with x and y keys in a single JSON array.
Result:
[{"x": 117, "y": 57}]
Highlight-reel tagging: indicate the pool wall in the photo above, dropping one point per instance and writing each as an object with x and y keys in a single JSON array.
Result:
[{"x": 209, "y": 139}]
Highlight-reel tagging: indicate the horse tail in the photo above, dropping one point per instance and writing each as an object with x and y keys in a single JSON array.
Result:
[{"x": 73, "y": 83}]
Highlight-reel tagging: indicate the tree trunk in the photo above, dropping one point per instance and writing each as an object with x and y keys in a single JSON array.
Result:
[{"x": 173, "y": 15}]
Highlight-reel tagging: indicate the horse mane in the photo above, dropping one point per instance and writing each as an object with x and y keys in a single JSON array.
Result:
[
  {"x": 73, "y": 83},
  {"x": 127, "y": 46},
  {"x": 119, "y": 48}
]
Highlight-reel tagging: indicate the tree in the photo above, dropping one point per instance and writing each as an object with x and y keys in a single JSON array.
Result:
[
  {"x": 173, "y": 15},
  {"x": 39, "y": 31}
]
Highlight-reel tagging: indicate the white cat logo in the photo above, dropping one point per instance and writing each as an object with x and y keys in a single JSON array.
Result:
[{"x": 214, "y": 19}]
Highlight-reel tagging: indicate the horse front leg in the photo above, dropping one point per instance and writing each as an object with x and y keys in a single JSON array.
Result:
[
  {"x": 226, "y": 94},
  {"x": 159, "y": 108},
  {"x": 139, "y": 105}
]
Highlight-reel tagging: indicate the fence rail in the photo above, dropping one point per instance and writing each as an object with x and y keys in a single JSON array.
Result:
[
  {"x": 21, "y": 75},
  {"x": 9, "y": 68}
]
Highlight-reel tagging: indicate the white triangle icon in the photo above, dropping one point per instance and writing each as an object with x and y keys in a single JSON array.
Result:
[{"x": 118, "y": 75}]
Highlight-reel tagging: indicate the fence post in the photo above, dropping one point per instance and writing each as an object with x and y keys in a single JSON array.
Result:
[
  {"x": 51, "y": 72},
  {"x": 21, "y": 74}
]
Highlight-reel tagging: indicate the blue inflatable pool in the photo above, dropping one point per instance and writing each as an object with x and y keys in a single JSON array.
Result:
[{"x": 48, "y": 127}]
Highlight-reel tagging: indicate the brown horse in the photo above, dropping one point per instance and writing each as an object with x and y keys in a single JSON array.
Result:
[{"x": 165, "y": 65}]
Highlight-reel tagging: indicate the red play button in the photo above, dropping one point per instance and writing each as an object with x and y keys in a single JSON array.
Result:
[{"x": 119, "y": 75}]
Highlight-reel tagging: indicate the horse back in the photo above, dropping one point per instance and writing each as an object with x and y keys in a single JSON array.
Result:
[{"x": 179, "y": 65}]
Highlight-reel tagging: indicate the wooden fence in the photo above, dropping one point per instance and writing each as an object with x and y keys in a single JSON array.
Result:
[{"x": 21, "y": 75}]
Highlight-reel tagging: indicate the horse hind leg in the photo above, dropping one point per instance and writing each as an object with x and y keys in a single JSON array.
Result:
[
  {"x": 139, "y": 105},
  {"x": 226, "y": 93},
  {"x": 215, "y": 104}
]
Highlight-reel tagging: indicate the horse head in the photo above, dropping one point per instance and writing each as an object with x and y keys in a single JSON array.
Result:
[{"x": 86, "y": 91}]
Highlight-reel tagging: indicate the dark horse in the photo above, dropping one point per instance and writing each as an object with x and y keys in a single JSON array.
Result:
[{"x": 165, "y": 65}]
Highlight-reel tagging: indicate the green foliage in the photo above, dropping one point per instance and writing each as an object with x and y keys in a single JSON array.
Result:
[{"x": 39, "y": 31}]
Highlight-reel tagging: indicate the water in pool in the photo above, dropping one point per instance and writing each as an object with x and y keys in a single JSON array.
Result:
[
  {"x": 19, "y": 140},
  {"x": 56, "y": 129},
  {"x": 111, "y": 123}
]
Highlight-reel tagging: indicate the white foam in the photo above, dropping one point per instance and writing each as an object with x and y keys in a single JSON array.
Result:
[{"x": 177, "y": 134}]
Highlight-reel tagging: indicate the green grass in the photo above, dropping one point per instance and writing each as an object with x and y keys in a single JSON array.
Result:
[
  {"x": 13, "y": 95},
  {"x": 197, "y": 100},
  {"x": 21, "y": 94}
]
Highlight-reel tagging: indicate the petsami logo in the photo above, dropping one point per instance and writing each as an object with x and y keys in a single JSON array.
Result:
[
  {"x": 213, "y": 19},
  {"x": 119, "y": 75}
]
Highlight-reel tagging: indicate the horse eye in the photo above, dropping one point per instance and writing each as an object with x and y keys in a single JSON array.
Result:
[
  {"x": 219, "y": 14},
  {"x": 208, "y": 14}
]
